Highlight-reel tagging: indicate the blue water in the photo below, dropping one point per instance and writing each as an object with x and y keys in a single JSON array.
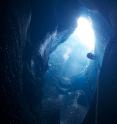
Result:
[{"x": 69, "y": 81}]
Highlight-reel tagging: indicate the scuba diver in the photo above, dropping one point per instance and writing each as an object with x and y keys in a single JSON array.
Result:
[
  {"x": 91, "y": 56},
  {"x": 104, "y": 106}
]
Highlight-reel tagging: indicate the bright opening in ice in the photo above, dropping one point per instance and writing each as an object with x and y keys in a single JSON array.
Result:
[
  {"x": 85, "y": 33},
  {"x": 71, "y": 56}
]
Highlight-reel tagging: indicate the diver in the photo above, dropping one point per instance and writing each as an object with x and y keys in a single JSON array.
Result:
[{"x": 91, "y": 56}]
